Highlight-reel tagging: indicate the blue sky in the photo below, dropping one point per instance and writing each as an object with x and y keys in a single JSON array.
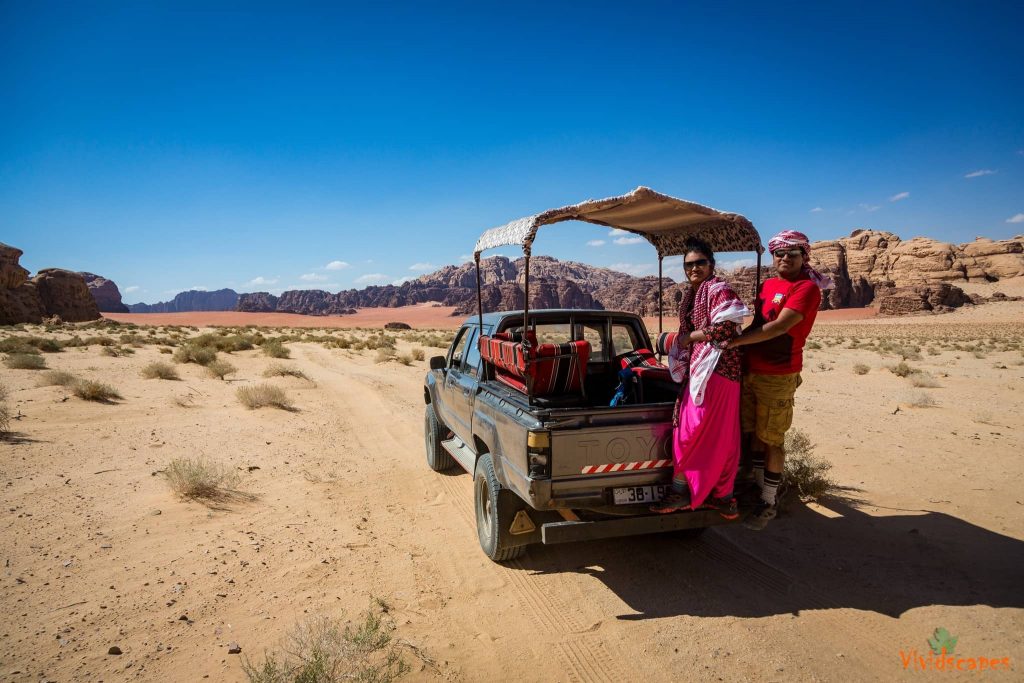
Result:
[{"x": 260, "y": 146}]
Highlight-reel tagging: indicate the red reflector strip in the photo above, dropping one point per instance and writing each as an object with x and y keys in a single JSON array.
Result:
[{"x": 626, "y": 466}]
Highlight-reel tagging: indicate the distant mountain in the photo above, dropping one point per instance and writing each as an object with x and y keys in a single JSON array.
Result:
[{"x": 192, "y": 300}]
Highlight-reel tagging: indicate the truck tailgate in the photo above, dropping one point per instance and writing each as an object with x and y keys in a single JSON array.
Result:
[{"x": 637, "y": 449}]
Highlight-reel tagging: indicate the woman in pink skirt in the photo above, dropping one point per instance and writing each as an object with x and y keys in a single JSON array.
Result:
[{"x": 706, "y": 437}]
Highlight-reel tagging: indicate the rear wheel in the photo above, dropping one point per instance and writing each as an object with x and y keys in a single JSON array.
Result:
[
  {"x": 438, "y": 459},
  {"x": 495, "y": 509}
]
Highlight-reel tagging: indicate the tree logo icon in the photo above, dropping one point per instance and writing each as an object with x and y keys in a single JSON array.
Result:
[{"x": 942, "y": 642}]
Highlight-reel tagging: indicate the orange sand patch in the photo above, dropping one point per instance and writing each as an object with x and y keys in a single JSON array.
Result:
[{"x": 424, "y": 316}]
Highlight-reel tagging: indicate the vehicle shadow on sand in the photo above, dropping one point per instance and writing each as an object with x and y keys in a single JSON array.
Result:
[{"x": 803, "y": 560}]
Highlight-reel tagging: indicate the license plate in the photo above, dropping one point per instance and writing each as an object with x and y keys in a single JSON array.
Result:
[{"x": 632, "y": 495}]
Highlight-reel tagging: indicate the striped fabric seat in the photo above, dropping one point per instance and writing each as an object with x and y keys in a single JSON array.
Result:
[
  {"x": 665, "y": 342},
  {"x": 550, "y": 368}
]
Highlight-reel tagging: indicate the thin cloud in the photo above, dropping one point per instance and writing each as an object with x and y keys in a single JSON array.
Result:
[
  {"x": 465, "y": 258},
  {"x": 1019, "y": 218},
  {"x": 313, "y": 277},
  {"x": 817, "y": 209},
  {"x": 899, "y": 196},
  {"x": 595, "y": 243},
  {"x": 980, "y": 172},
  {"x": 372, "y": 278},
  {"x": 736, "y": 263},
  {"x": 258, "y": 281},
  {"x": 423, "y": 267},
  {"x": 869, "y": 208},
  {"x": 402, "y": 280},
  {"x": 614, "y": 232},
  {"x": 336, "y": 265},
  {"x": 628, "y": 240},
  {"x": 129, "y": 290}
]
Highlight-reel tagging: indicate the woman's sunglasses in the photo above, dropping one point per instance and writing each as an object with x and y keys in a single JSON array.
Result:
[
  {"x": 792, "y": 253},
  {"x": 699, "y": 263}
]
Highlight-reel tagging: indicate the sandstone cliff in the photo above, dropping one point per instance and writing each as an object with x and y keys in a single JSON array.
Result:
[
  {"x": 105, "y": 292},
  {"x": 52, "y": 292},
  {"x": 192, "y": 300}
]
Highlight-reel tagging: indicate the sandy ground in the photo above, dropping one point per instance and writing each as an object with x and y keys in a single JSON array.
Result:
[{"x": 928, "y": 530}]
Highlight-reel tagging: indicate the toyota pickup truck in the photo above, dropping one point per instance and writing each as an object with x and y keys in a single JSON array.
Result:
[{"x": 523, "y": 399}]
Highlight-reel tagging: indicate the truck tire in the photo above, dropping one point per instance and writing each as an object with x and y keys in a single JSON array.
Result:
[
  {"x": 495, "y": 508},
  {"x": 438, "y": 459}
]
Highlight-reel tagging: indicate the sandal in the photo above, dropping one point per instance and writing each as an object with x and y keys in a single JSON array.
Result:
[{"x": 671, "y": 503}]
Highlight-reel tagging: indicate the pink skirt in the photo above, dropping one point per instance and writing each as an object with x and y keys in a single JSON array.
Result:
[{"x": 706, "y": 444}]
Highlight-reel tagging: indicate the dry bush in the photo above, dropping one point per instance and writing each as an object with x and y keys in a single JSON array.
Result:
[
  {"x": 901, "y": 369},
  {"x": 262, "y": 396},
  {"x": 159, "y": 370},
  {"x": 404, "y": 358},
  {"x": 25, "y": 361},
  {"x": 101, "y": 341},
  {"x": 275, "y": 349},
  {"x": 18, "y": 345},
  {"x": 4, "y": 393},
  {"x": 200, "y": 478},
  {"x": 200, "y": 355},
  {"x": 861, "y": 369},
  {"x": 419, "y": 354},
  {"x": 921, "y": 400},
  {"x": 923, "y": 380},
  {"x": 5, "y": 417},
  {"x": 324, "y": 650},
  {"x": 805, "y": 473},
  {"x": 109, "y": 351},
  {"x": 383, "y": 355},
  {"x": 164, "y": 349},
  {"x": 220, "y": 369},
  {"x": 56, "y": 378},
  {"x": 90, "y": 390},
  {"x": 813, "y": 345},
  {"x": 278, "y": 370},
  {"x": 186, "y": 401}
]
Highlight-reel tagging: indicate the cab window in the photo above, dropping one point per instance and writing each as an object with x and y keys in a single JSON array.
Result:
[
  {"x": 457, "y": 349},
  {"x": 471, "y": 360},
  {"x": 623, "y": 339},
  {"x": 592, "y": 332}
]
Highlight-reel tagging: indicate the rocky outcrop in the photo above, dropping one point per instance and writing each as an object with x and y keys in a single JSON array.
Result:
[
  {"x": 64, "y": 293},
  {"x": 105, "y": 292},
  {"x": 256, "y": 302},
  {"x": 192, "y": 300},
  {"x": 934, "y": 298},
  {"x": 52, "y": 292}
]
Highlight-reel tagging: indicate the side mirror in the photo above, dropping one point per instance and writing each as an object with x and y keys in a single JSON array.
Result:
[{"x": 438, "y": 363}]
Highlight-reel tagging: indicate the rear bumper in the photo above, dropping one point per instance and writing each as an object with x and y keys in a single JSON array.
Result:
[{"x": 568, "y": 532}]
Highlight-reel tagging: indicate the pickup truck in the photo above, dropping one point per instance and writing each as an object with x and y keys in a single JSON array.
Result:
[{"x": 523, "y": 399}]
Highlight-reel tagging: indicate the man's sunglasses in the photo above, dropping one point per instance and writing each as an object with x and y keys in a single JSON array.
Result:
[
  {"x": 699, "y": 263},
  {"x": 792, "y": 253}
]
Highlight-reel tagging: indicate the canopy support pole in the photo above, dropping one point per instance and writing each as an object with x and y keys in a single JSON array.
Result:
[
  {"x": 757, "y": 286},
  {"x": 479, "y": 298},
  {"x": 526, "y": 328},
  {"x": 661, "y": 295}
]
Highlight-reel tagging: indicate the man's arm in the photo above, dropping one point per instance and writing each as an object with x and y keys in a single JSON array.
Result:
[{"x": 787, "y": 319}]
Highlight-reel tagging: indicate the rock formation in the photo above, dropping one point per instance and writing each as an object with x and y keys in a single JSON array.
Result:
[
  {"x": 192, "y": 300},
  {"x": 933, "y": 298},
  {"x": 105, "y": 292},
  {"x": 52, "y": 292}
]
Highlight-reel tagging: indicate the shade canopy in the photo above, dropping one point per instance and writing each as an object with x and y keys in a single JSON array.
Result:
[{"x": 665, "y": 222}]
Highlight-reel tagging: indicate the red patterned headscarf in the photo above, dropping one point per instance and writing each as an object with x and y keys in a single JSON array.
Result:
[{"x": 792, "y": 238}]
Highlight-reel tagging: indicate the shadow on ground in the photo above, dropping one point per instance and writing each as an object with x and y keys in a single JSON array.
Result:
[{"x": 804, "y": 560}]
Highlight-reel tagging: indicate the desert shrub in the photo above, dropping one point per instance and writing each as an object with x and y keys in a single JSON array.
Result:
[
  {"x": 813, "y": 345},
  {"x": 275, "y": 349},
  {"x": 25, "y": 361},
  {"x": 56, "y": 378},
  {"x": 901, "y": 369},
  {"x": 923, "y": 380},
  {"x": 262, "y": 396},
  {"x": 978, "y": 354},
  {"x": 932, "y": 351},
  {"x": 220, "y": 369},
  {"x": 159, "y": 370},
  {"x": 110, "y": 351},
  {"x": 861, "y": 369},
  {"x": 200, "y": 355},
  {"x": 404, "y": 358},
  {"x": 3, "y": 392},
  {"x": 921, "y": 400},
  {"x": 90, "y": 390},
  {"x": 279, "y": 370},
  {"x": 5, "y": 417},
  {"x": 324, "y": 650},
  {"x": 164, "y": 349},
  {"x": 200, "y": 478},
  {"x": 18, "y": 345},
  {"x": 383, "y": 355},
  {"x": 100, "y": 341},
  {"x": 418, "y": 354},
  {"x": 805, "y": 473}
]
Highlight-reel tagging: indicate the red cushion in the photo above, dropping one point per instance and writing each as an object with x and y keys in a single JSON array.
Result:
[
  {"x": 665, "y": 342},
  {"x": 551, "y": 368},
  {"x": 638, "y": 358}
]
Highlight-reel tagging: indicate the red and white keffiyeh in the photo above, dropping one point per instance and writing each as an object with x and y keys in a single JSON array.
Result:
[
  {"x": 714, "y": 302},
  {"x": 792, "y": 238}
]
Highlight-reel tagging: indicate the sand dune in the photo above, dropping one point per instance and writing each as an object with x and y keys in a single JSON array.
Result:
[{"x": 928, "y": 530}]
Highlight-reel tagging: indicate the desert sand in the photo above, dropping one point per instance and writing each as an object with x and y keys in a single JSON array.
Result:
[{"x": 925, "y": 531}]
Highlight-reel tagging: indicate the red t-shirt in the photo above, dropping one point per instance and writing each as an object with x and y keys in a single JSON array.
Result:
[{"x": 784, "y": 354}]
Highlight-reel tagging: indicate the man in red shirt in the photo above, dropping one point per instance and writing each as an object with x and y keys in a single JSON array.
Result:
[{"x": 783, "y": 316}]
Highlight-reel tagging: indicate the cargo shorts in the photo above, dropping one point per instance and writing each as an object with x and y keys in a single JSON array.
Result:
[{"x": 766, "y": 405}]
